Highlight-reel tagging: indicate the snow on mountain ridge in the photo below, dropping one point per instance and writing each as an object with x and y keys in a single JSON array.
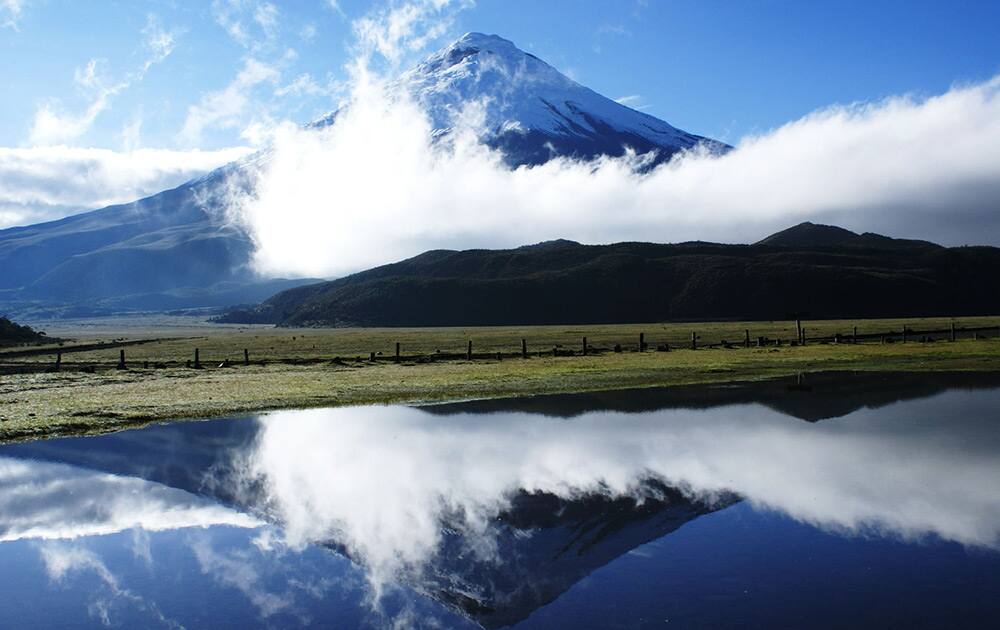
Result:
[
  {"x": 531, "y": 110},
  {"x": 521, "y": 88}
]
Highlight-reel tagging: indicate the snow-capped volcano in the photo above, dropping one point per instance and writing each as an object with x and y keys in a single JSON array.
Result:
[
  {"x": 532, "y": 111},
  {"x": 177, "y": 249}
]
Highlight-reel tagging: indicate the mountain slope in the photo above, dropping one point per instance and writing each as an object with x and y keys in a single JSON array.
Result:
[
  {"x": 563, "y": 282},
  {"x": 173, "y": 250},
  {"x": 176, "y": 249}
]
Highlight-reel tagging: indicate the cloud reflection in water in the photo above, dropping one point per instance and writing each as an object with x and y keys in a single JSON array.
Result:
[{"x": 381, "y": 480}]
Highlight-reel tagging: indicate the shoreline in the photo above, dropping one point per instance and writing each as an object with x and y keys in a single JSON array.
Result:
[{"x": 62, "y": 404}]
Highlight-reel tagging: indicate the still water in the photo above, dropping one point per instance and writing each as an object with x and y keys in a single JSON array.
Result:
[{"x": 836, "y": 501}]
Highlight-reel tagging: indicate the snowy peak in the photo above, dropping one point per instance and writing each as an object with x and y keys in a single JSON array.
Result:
[
  {"x": 469, "y": 47},
  {"x": 532, "y": 111}
]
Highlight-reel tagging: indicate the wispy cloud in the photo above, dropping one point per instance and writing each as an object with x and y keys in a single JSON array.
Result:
[
  {"x": 334, "y": 5},
  {"x": 225, "y": 108},
  {"x": 236, "y": 570},
  {"x": 63, "y": 561},
  {"x": 253, "y": 24},
  {"x": 635, "y": 101},
  {"x": 608, "y": 32},
  {"x": 10, "y": 13},
  {"x": 159, "y": 43},
  {"x": 308, "y": 32},
  {"x": 302, "y": 84},
  {"x": 46, "y": 183},
  {"x": 52, "y": 124},
  {"x": 401, "y": 29}
]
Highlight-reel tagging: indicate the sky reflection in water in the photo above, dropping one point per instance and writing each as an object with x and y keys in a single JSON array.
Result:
[{"x": 381, "y": 515}]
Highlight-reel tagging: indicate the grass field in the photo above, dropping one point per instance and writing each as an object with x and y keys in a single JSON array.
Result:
[{"x": 296, "y": 368}]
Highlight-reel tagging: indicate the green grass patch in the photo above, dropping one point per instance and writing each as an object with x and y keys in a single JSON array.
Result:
[{"x": 72, "y": 401}]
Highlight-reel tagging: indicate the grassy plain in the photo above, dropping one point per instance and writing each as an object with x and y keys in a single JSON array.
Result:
[{"x": 295, "y": 368}]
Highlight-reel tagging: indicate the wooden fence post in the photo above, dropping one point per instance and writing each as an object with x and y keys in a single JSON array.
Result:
[
  {"x": 121, "y": 359},
  {"x": 58, "y": 360},
  {"x": 584, "y": 346},
  {"x": 904, "y": 333},
  {"x": 642, "y": 342},
  {"x": 397, "y": 352},
  {"x": 854, "y": 337},
  {"x": 803, "y": 341},
  {"x": 798, "y": 330},
  {"x": 524, "y": 349},
  {"x": 694, "y": 340},
  {"x": 197, "y": 360},
  {"x": 953, "y": 331},
  {"x": 246, "y": 357},
  {"x": 746, "y": 338},
  {"x": 468, "y": 351}
]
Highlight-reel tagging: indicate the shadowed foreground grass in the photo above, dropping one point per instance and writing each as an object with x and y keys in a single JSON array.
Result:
[{"x": 75, "y": 402}]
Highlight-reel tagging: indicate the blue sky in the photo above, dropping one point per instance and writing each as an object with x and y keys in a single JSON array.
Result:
[
  {"x": 723, "y": 69},
  {"x": 109, "y": 101}
]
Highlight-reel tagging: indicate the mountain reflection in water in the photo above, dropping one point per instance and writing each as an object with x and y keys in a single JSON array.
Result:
[{"x": 496, "y": 508}]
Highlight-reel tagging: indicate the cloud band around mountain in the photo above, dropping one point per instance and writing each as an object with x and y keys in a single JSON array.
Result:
[
  {"x": 380, "y": 185},
  {"x": 47, "y": 183}
]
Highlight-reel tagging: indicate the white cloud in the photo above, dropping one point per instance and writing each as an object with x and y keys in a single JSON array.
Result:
[
  {"x": 226, "y": 108},
  {"x": 10, "y": 13},
  {"x": 235, "y": 569},
  {"x": 919, "y": 168},
  {"x": 301, "y": 85},
  {"x": 131, "y": 134},
  {"x": 52, "y": 125},
  {"x": 159, "y": 43},
  {"x": 226, "y": 13},
  {"x": 635, "y": 101},
  {"x": 265, "y": 15},
  {"x": 402, "y": 29},
  {"x": 335, "y": 6},
  {"x": 308, "y": 32},
  {"x": 253, "y": 24},
  {"x": 62, "y": 561},
  {"x": 67, "y": 502},
  {"x": 381, "y": 480},
  {"x": 46, "y": 183}
]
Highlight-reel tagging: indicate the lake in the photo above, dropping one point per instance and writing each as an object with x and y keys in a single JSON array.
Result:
[{"x": 830, "y": 500}]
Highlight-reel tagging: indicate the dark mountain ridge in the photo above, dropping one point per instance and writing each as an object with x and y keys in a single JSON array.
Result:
[
  {"x": 562, "y": 282},
  {"x": 808, "y": 234},
  {"x": 13, "y": 334}
]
